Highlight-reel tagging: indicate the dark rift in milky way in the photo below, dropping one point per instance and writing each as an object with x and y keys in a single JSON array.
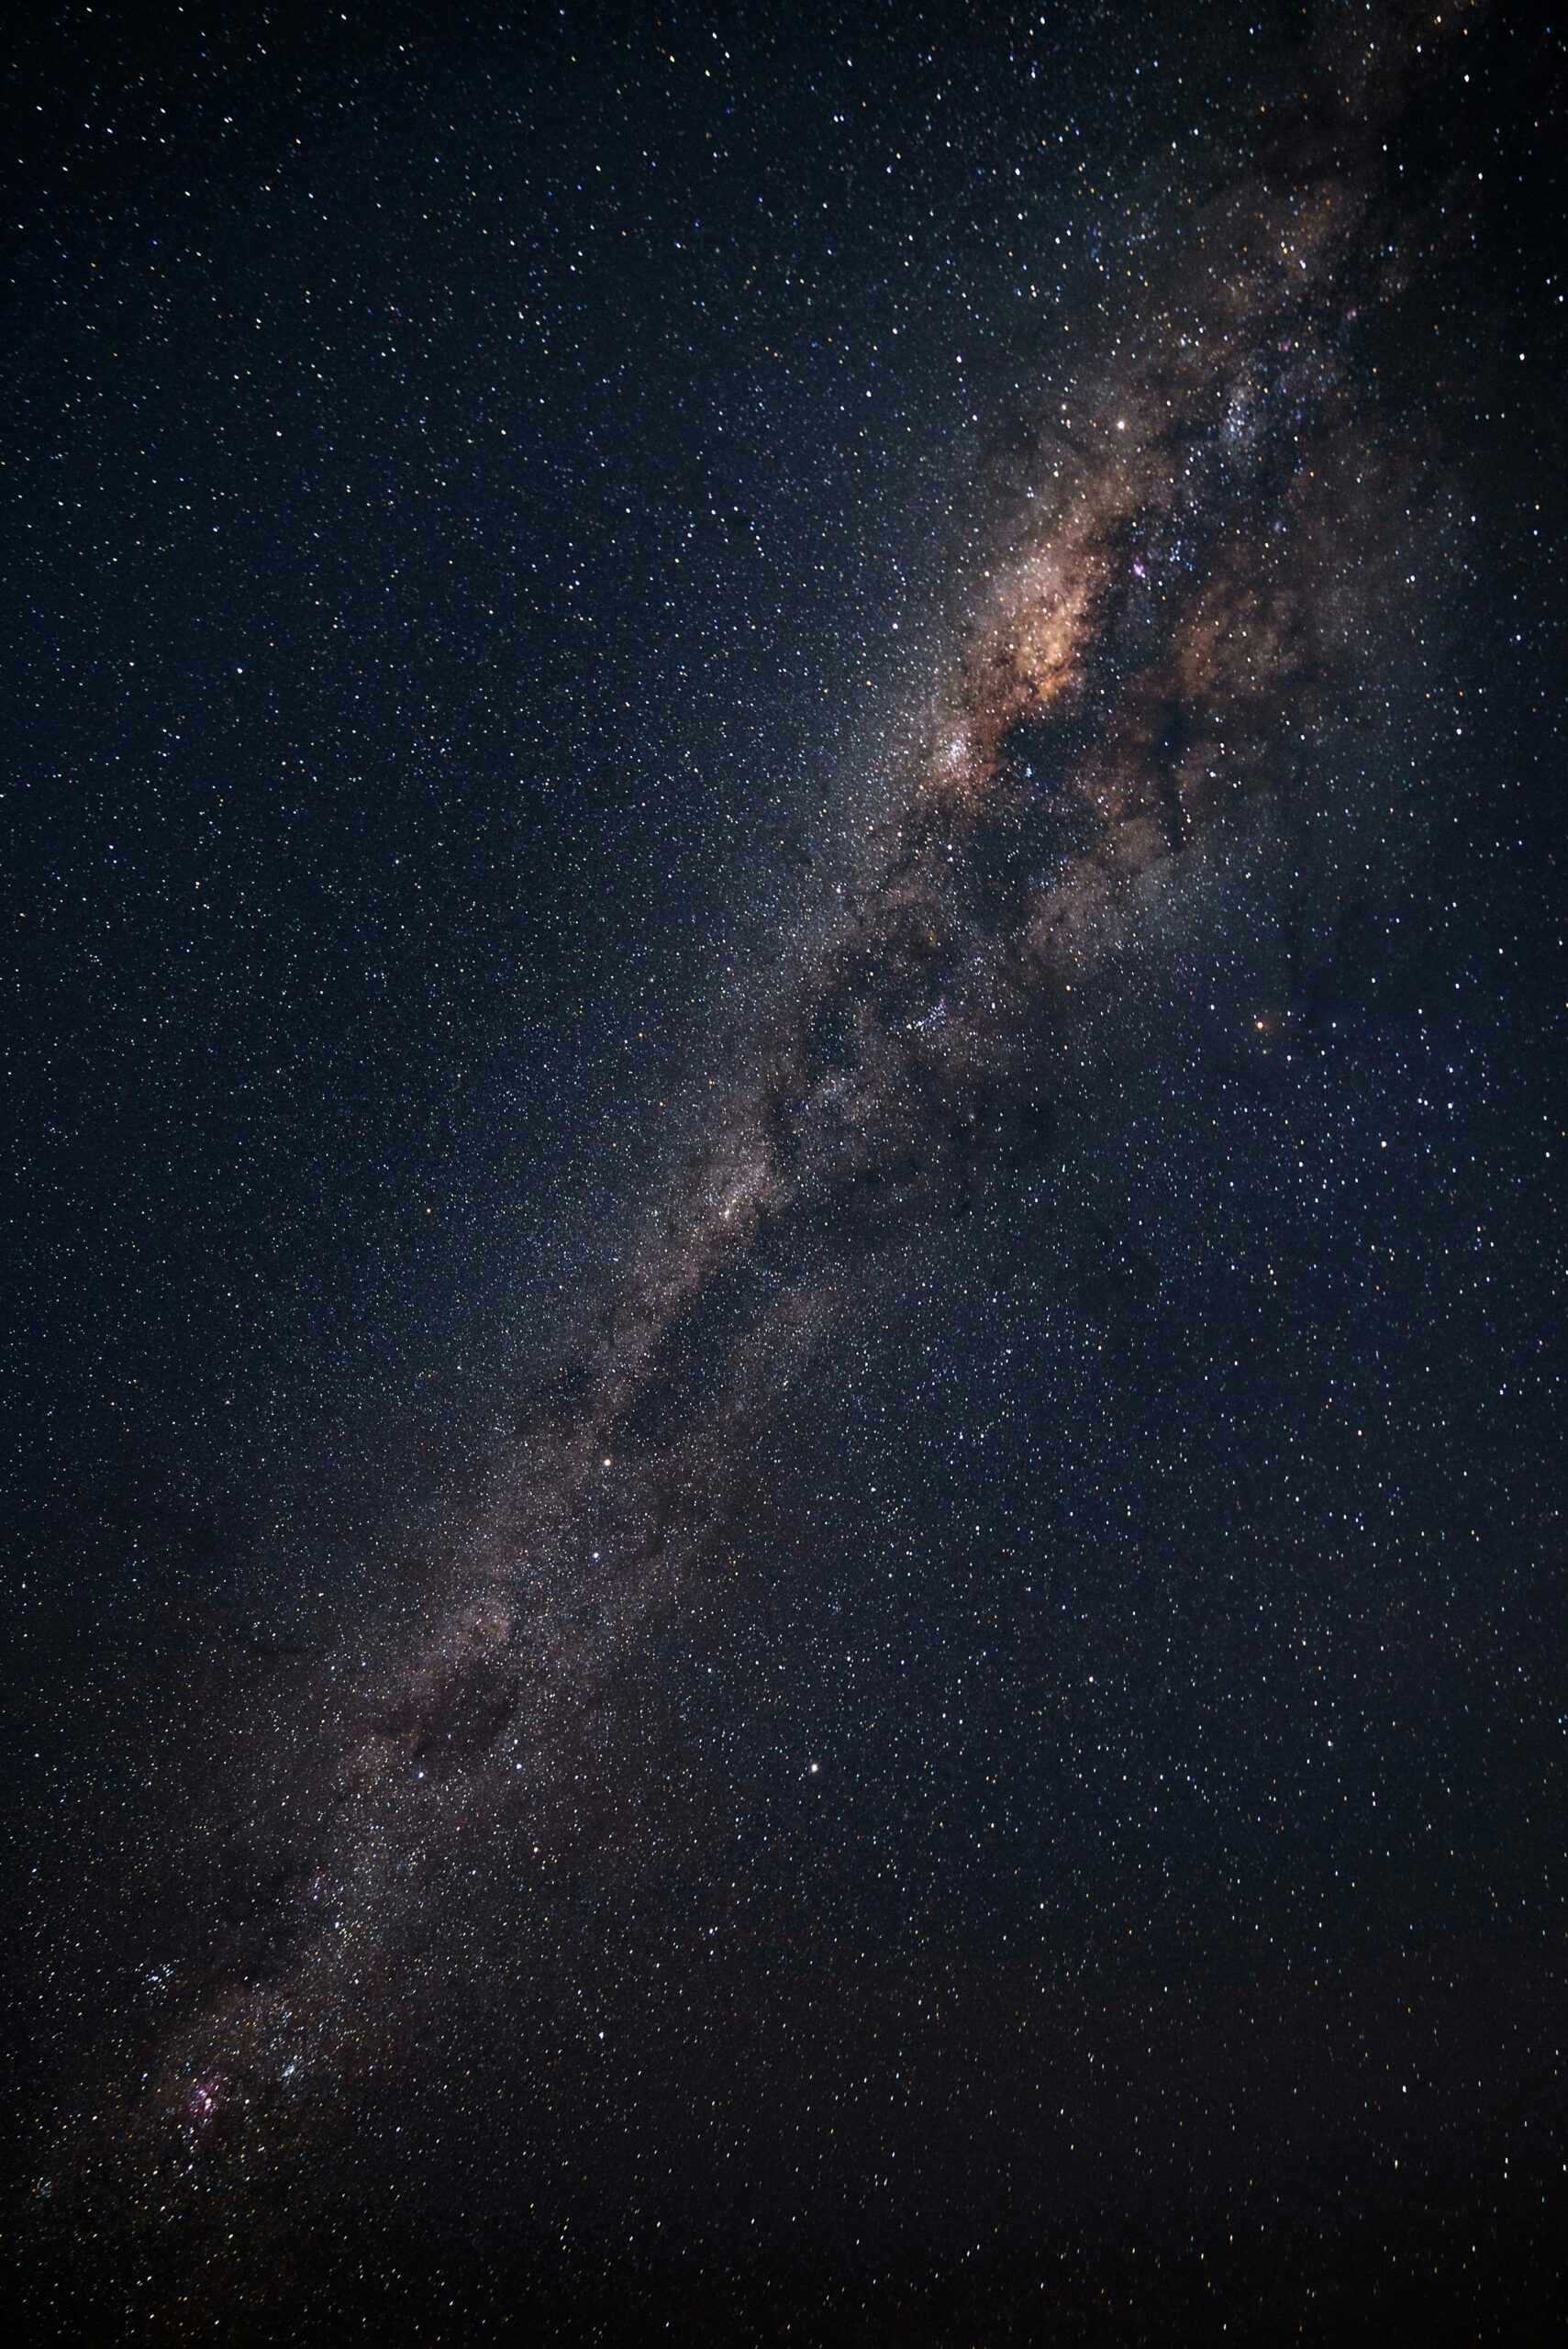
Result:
[{"x": 1170, "y": 603}]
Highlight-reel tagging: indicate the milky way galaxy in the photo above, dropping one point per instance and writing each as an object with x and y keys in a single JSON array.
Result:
[{"x": 1178, "y": 594}]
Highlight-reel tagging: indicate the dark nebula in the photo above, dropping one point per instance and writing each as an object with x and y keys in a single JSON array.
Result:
[{"x": 968, "y": 1758}]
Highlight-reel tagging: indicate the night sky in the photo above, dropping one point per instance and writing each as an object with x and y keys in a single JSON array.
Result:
[{"x": 783, "y": 1351}]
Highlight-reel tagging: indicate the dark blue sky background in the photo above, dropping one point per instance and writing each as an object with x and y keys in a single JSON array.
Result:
[{"x": 486, "y": 493}]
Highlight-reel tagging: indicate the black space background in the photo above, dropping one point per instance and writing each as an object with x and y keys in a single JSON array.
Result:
[{"x": 463, "y": 472}]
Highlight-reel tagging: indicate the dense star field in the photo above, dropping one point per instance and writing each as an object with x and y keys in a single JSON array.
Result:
[{"x": 784, "y": 1361}]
